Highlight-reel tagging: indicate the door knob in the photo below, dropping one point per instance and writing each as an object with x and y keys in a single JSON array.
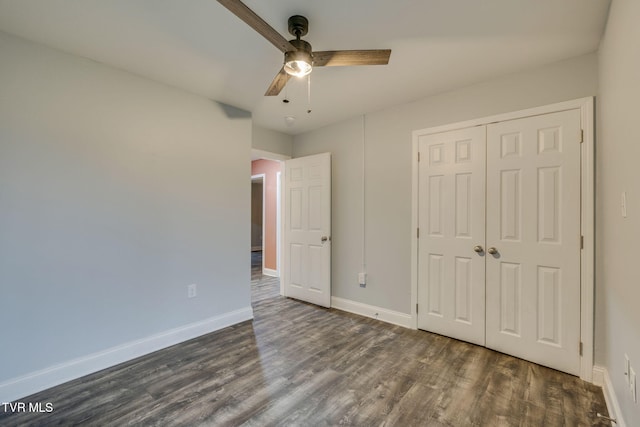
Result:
[
  {"x": 324, "y": 239},
  {"x": 478, "y": 249},
  {"x": 492, "y": 250}
]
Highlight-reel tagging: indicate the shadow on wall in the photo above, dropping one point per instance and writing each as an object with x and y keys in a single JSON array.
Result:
[{"x": 233, "y": 112}]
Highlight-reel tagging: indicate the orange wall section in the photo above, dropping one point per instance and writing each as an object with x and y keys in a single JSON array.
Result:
[{"x": 269, "y": 168}]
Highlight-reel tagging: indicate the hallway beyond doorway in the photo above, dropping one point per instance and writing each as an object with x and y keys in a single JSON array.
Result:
[{"x": 262, "y": 286}]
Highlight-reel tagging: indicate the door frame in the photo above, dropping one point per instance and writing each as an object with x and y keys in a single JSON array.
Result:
[
  {"x": 269, "y": 155},
  {"x": 587, "y": 212},
  {"x": 279, "y": 222}
]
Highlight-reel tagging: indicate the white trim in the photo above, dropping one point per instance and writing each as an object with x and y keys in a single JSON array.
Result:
[
  {"x": 282, "y": 268},
  {"x": 587, "y": 220},
  {"x": 366, "y": 310},
  {"x": 414, "y": 235},
  {"x": 601, "y": 378},
  {"x": 529, "y": 112},
  {"x": 586, "y": 107},
  {"x": 268, "y": 155},
  {"x": 33, "y": 382},
  {"x": 597, "y": 377},
  {"x": 270, "y": 272},
  {"x": 278, "y": 218},
  {"x": 363, "y": 268}
]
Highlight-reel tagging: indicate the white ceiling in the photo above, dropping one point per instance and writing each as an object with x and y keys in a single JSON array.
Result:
[{"x": 198, "y": 45}]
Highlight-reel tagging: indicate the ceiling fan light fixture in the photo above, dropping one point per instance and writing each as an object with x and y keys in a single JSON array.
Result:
[
  {"x": 298, "y": 63},
  {"x": 297, "y": 68}
]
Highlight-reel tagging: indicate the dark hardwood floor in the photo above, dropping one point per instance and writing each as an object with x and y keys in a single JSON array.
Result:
[{"x": 300, "y": 365}]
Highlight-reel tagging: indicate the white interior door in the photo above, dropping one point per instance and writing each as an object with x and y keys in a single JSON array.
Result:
[
  {"x": 307, "y": 224},
  {"x": 451, "y": 220},
  {"x": 533, "y": 222}
]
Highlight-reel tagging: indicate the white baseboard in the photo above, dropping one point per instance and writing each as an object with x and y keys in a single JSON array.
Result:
[
  {"x": 366, "y": 310},
  {"x": 598, "y": 376},
  {"x": 602, "y": 379},
  {"x": 34, "y": 382},
  {"x": 270, "y": 272}
]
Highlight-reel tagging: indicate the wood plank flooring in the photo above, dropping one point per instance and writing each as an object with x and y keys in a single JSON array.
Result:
[{"x": 300, "y": 365}]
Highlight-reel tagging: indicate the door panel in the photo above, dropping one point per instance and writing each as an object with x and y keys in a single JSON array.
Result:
[
  {"x": 510, "y": 308},
  {"x": 533, "y": 221},
  {"x": 510, "y": 205},
  {"x": 463, "y": 292},
  {"x": 307, "y": 254},
  {"x": 451, "y": 220}
]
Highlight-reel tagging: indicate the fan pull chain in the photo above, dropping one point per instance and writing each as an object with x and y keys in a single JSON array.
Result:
[{"x": 308, "y": 93}]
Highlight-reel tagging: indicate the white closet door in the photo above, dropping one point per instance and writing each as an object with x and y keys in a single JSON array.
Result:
[
  {"x": 533, "y": 222},
  {"x": 451, "y": 288}
]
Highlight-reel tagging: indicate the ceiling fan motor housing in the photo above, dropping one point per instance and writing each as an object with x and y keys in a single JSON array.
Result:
[
  {"x": 298, "y": 26},
  {"x": 298, "y": 62},
  {"x": 302, "y": 46}
]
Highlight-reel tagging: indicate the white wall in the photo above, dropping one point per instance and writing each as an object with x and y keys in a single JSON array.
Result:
[
  {"x": 388, "y": 171},
  {"x": 344, "y": 141},
  {"x": 272, "y": 141},
  {"x": 115, "y": 194},
  {"x": 618, "y": 151}
]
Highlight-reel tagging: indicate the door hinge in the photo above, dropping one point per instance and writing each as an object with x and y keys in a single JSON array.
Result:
[
  {"x": 581, "y": 242},
  {"x": 418, "y": 232},
  {"x": 416, "y": 308},
  {"x": 580, "y": 348},
  {"x": 418, "y": 157},
  {"x": 581, "y": 136}
]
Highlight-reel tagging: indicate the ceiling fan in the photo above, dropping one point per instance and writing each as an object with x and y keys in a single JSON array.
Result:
[{"x": 299, "y": 59}]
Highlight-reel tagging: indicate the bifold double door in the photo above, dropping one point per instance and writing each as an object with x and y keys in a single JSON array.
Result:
[{"x": 499, "y": 245}]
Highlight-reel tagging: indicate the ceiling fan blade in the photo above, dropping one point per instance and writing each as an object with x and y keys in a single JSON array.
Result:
[
  {"x": 254, "y": 21},
  {"x": 337, "y": 58},
  {"x": 279, "y": 81}
]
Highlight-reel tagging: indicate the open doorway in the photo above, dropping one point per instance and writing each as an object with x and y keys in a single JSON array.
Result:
[
  {"x": 265, "y": 213},
  {"x": 266, "y": 223},
  {"x": 257, "y": 222}
]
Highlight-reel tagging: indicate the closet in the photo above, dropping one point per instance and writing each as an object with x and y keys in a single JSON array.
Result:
[{"x": 499, "y": 247}]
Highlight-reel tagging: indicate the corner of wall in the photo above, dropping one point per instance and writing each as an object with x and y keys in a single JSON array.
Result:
[
  {"x": 271, "y": 141},
  {"x": 601, "y": 378}
]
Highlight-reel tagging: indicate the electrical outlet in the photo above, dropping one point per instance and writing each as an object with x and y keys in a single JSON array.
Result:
[
  {"x": 362, "y": 279},
  {"x": 192, "y": 291},
  {"x": 627, "y": 366},
  {"x": 632, "y": 385}
]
